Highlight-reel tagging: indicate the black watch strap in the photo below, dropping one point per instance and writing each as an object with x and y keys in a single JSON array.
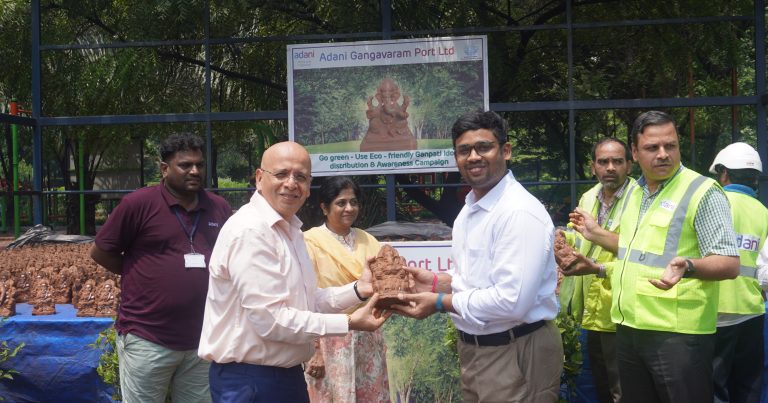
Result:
[{"x": 689, "y": 268}]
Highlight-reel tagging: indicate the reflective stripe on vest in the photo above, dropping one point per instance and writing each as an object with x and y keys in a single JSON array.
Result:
[
  {"x": 596, "y": 296},
  {"x": 746, "y": 271},
  {"x": 652, "y": 259},
  {"x": 673, "y": 233},
  {"x": 647, "y": 244},
  {"x": 742, "y": 295}
]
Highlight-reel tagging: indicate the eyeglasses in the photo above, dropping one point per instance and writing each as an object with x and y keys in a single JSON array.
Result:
[
  {"x": 283, "y": 176},
  {"x": 343, "y": 203},
  {"x": 481, "y": 148}
]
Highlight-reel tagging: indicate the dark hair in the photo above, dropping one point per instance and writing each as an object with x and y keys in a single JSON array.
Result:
[
  {"x": 747, "y": 176},
  {"x": 179, "y": 142},
  {"x": 477, "y": 120},
  {"x": 333, "y": 185},
  {"x": 627, "y": 153},
  {"x": 650, "y": 118}
]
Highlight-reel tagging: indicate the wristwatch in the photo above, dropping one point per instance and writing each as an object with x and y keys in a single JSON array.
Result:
[
  {"x": 601, "y": 271},
  {"x": 690, "y": 270}
]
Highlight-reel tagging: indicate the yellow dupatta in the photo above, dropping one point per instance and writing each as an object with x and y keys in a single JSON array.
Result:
[{"x": 334, "y": 264}]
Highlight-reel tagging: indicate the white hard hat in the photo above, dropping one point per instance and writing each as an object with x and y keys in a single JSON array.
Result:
[{"x": 737, "y": 156}]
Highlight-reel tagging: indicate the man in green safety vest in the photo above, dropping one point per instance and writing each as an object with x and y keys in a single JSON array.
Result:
[
  {"x": 738, "y": 363},
  {"x": 676, "y": 240},
  {"x": 585, "y": 293}
]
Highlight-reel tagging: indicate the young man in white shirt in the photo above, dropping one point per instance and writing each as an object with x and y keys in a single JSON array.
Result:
[{"x": 502, "y": 294}]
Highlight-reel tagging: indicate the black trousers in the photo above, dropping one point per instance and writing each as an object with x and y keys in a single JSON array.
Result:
[
  {"x": 738, "y": 363},
  {"x": 601, "y": 348},
  {"x": 664, "y": 367}
]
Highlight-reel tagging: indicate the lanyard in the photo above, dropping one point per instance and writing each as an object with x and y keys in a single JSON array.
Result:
[{"x": 190, "y": 234}]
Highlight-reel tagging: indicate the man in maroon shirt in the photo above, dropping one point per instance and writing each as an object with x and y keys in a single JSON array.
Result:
[{"x": 159, "y": 239}]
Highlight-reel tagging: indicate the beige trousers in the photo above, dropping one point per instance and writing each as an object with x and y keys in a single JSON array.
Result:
[{"x": 526, "y": 370}]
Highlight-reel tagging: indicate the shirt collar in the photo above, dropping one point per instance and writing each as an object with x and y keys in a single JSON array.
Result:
[
  {"x": 271, "y": 215},
  {"x": 617, "y": 195},
  {"x": 203, "y": 203},
  {"x": 737, "y": 188},
  {"x": 492, "y": 197},
  {"x": 644, "y": 184}
]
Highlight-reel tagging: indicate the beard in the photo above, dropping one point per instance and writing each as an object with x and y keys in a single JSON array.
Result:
[{"x": 613, "y": 185}]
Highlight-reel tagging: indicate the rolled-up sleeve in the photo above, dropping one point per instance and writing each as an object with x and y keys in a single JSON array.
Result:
[{"x": 714, "y": 225}]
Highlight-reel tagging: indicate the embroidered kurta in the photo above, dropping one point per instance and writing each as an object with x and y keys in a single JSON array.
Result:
[{"x": 355, "y": 364}]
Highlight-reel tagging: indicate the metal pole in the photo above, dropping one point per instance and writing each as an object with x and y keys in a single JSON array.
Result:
[
  {"x": 386, "y": 33},
  {"x": 3, "y": 219},
  {"x": 81, "y": 181},
  {"x": 208, "y": 130},
  {"x": 762, "y": 137},
  {"x": 141, "y": 163},
  {"x": 15, "y": 171},
  {"x": 37, "y": 135},
  {"x": 571, "y": 111}
]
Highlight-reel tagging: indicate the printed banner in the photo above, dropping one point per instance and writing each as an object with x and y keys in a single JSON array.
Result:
[
  {"x": 434, "y": 256},
  {"x": 383, "y": 107}
]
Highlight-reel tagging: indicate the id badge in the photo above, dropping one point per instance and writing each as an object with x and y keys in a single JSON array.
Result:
[{"x": 194, "y": 261}]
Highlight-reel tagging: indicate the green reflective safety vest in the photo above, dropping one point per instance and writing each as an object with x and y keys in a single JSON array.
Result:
[
  {"x": 646, "y": 247},
  {"x": 588, "y": 298},
  {"x": 742, "y": 295}
]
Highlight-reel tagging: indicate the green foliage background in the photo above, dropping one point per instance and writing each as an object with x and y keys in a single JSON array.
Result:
[
  {"x": 628, "y": 62},
  {"x": 330, "y": 104},
  {"x": 7, "y": 353}
]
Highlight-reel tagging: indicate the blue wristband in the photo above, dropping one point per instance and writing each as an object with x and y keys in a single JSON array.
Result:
[{"x": 439, "y": 302}]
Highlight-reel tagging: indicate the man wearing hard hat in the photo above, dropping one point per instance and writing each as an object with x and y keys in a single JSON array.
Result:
[
  {"x": 738, "y": 363},
  {"x": 676, "y": 242}
]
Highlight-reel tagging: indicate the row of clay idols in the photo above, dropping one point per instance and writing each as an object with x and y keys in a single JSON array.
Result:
[
  {"x": 93, "y": 292},
  {"x": 35, "y": 275},
  {"x": 91, "y": 300},
  {"x": 50, "y": 255}
]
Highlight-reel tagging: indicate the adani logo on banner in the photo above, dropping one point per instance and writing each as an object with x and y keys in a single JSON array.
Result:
[
  {"x": 471, "y": 52},
  {"x": 748, "y": 242}
]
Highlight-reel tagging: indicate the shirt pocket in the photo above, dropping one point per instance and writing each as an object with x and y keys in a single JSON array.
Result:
[
  {"x": 680, "y": 307},
  {"x": 656, "y": 307},
  {"x": 660, "y": 217}
]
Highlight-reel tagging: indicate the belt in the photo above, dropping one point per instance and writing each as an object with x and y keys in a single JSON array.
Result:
[
  {"x": 501, "y": 338},
  {"x": 257, "y": 370}
]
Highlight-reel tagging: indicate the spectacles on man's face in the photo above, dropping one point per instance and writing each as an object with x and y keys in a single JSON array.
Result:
[
  {"x": 283, "y": 176},
  {"x": 481, "y": 148}
]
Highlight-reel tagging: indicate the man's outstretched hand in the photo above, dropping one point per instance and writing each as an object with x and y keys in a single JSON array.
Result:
[
  {"x": 672, "y": 274},
  {"x": 420, "y": 305},
  {"x": 368, "y": 317}
]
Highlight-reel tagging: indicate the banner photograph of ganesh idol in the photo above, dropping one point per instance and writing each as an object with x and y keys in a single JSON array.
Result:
[{"x": 383, "y": 107}]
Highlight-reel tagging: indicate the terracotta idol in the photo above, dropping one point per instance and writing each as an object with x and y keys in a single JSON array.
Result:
[
  {"x": 389, "y": 276},
  {"x": 563, "y": 252},
  {"x": 388, "y": 128}
]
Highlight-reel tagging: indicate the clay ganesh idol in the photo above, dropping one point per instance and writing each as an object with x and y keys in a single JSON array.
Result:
[
  {"x": 42, "y": 298},
  {"x": 563, "y": 252},
  {"x": 388, "y": 128},
  {"x": 7, "y": 299},
  {"x": 389, "y": 276}
]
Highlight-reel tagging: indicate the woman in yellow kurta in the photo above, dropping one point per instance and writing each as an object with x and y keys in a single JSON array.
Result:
[{"x": 353, "y": 367}]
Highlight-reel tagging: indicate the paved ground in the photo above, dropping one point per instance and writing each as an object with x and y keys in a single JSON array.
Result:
[{"x": 5, "y": 240}]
